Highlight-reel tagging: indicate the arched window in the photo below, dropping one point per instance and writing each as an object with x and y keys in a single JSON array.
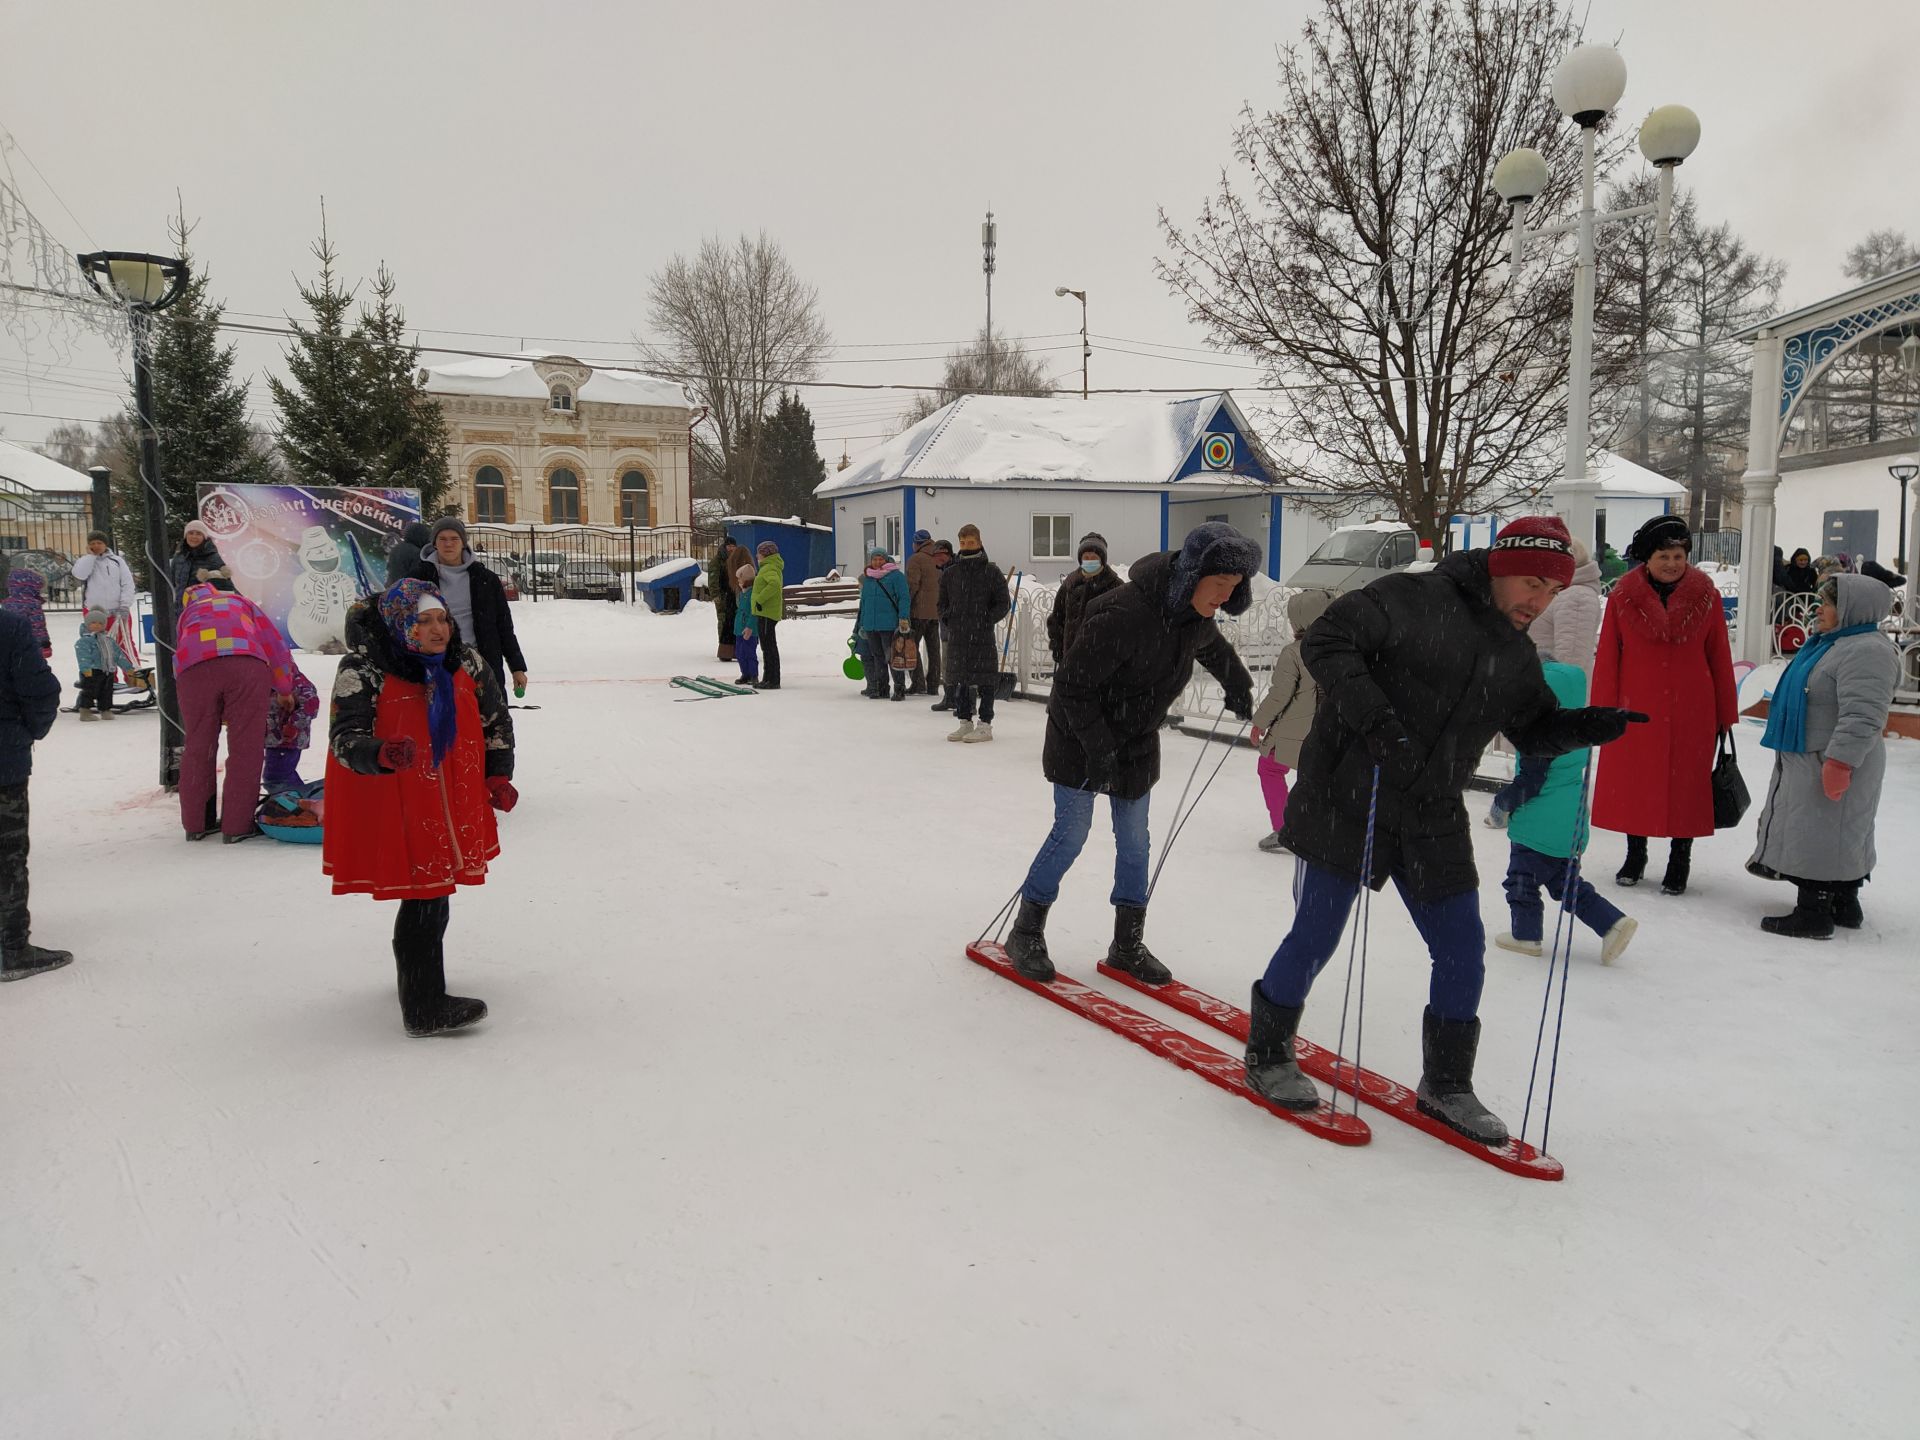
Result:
[
  {"x": 634, "y": 499},
  {"x": 562, "y": 398},
  {"x": 490, "y": 495},
  {"x": 563, "y": 497}
]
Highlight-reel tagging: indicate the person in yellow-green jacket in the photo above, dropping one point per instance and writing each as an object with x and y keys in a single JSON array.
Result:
[{"x": 769, "y": 609}]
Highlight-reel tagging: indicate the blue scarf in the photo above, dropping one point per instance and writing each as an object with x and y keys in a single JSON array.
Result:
[
  {"x": 1787, "y": 716},
  {"x": 442, "y": 715}
]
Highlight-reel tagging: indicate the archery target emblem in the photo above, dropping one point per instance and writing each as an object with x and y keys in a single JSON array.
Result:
[{"x": 1216, "y": 452}]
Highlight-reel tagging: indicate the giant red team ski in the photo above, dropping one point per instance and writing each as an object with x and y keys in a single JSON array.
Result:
[
  {"x": 1212, "y": 1065},
  {"x": 1516, "y": 1156}
]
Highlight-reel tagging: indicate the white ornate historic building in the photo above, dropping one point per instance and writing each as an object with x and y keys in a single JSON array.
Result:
[{"x": 545, "y": 439}]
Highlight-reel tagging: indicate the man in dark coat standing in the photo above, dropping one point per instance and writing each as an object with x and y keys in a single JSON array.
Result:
[
  {"x": 1093, "y": 578},
  {"x": 973, "y": 598},
  {"x": 721, "y": 586},
  {"x": 475, "y": 598},
  {"x": 923, "y": 591},
  {"x": 404, "y": 558},
  {"x": 1417, "y": 674},
  {"x": 1132, "y": 658},
  {"x": 29, "y": 699}
]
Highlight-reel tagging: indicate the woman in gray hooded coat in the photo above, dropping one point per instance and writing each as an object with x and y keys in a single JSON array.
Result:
[
  {"x": 1826, "y": 724},
  {"x": 1568, "y": 630}
]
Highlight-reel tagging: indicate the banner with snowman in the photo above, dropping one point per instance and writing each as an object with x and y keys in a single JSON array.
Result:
[{"x": 305, "y": 553}]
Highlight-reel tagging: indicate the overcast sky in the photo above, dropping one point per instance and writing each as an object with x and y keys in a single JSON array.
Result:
[{"x": 524, "y": 168}]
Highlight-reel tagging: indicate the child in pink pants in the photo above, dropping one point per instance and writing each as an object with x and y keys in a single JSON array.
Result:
[{"x": 1285, "y": 716}]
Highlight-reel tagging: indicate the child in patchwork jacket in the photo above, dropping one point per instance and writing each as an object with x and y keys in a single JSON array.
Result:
[
  {"x": 289, "y": 731},
  {"x": 99, "y": 656}
]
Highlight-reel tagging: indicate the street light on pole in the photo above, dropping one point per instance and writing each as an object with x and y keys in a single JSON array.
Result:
[
  {"x": 1086, "y": 350},
  {"x": 146, "y": 285},
  {"x": 989, "y": 242},
  {"x": 1903, "y": 471},
  {"x": 1586, "y": 87}
]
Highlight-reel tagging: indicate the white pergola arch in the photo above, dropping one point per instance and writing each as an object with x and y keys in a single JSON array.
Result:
[{"x": 1790, "y": 352}]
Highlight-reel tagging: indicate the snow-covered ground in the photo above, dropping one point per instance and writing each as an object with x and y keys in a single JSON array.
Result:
[{"x": 748, "y": 1148}]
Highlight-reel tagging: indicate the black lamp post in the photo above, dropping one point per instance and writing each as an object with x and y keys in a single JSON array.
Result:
[
  {"x": 146, "y": 284},
  {"x": 1903, "y": 471}
]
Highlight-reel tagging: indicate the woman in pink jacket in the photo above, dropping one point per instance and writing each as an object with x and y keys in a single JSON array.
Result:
[{"x": 231, "y": 665}]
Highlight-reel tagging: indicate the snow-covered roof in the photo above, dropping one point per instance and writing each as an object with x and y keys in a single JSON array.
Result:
[
  {"x": 793, "y": 520},
  {"x": 671, "y": 566},
  {"x": 998, "y": 439},
  {"x": 1620, "y": 476},
  {"x": 518, "y": 380},
  {"x": 34, "y": 471}
]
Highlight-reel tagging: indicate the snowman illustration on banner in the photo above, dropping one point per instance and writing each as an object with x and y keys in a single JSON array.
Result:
[{"x": 322, "y": 595}]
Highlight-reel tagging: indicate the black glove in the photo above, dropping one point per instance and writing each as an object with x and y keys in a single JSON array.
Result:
[
  {"x": 1240, "y": 704},
  {"x": 1392, "y": 750},
  {"x": 1602, "y": 724},
  {"x": 1102, "y": 771}
]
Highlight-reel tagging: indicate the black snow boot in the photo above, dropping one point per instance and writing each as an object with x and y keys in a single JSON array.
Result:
[
  {"x": 1446, "y": 1084},
  {"x": 945, "y": 702},
  {"x": 1636, "y": 864},
  {"x": 425, "y": 1007},
  {"x": 899, "y": 684},
  {"x": 1129, "y": 950},
  {"x": 1027, "y": 944},
  {"x": 1272, "y": 1072},
  {"x": 1810, "y": 919},
  {"x": 1679, "y": 862},
  {"x": 18, "y": 962},
  {"x": 1846, "y": 905}
]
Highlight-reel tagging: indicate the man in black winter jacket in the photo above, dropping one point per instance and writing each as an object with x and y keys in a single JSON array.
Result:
[
  {"x": 29, "y": 699},
  {"x": 1417, "y": 674},
  {"x": 1132, "y": 658},
  {"x": 476, "y": 599}
]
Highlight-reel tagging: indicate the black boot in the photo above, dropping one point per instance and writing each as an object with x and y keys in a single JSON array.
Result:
[
  {"x": 945, "y": 702},
  {"x": 1129, "y": 950},
  {"x": 899, "y": 684},
  {"x": 1027, "y": 944},
  {"x": 1272, "y": 1072},
  {"x": 1811, "y": 917},
  {"x": 1636, "y": 865},
  {"x": 1446, "y": 1084},
  {"x": 20, "y": 961},
  {"x": 211, "y": 825},
  {"x": 1846, "y": 905},
  {"x": 1679, "y": 862},
  {"x": 425, "y": 1007}
]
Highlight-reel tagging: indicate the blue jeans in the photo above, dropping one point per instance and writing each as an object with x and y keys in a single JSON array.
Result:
[
  {"x": 1455, "y": 938},
  {"x": 1072, "y": 819},
  {"x": 1527, "y": 871}
]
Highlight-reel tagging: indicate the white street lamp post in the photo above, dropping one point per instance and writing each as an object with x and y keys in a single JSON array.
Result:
[
  {"x": 1086, "y": 350},
  {"x": 1586, "y": 87}
]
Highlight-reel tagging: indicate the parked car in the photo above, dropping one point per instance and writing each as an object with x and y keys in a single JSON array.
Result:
[
  {"x": 1356, "y": 555},
  {"x": 543, "y": 571},
  {"x": 587, "y": 580}
]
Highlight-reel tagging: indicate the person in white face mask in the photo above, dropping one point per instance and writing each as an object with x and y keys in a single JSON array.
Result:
[{"x": 1091, "y": 579}]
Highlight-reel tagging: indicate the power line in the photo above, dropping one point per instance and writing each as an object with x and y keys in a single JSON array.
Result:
[{"x": 13, "y": 143}]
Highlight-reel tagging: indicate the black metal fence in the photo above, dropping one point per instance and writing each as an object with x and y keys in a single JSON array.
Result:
[
  {"x": 581, "y": 562},
  {"x": 45, "y": 534}
]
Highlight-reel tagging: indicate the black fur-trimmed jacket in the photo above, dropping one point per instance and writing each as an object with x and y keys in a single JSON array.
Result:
[{"x": 370, "y": 658}]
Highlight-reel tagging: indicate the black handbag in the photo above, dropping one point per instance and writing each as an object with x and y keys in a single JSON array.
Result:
[{"x": 1730, "y": 798}]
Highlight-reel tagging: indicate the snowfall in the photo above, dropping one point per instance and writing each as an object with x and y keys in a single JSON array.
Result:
[{"x": 749, "y": 1148}]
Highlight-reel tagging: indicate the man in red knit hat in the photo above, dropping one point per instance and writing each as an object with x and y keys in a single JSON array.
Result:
[{"x": 1417, "y": 672}]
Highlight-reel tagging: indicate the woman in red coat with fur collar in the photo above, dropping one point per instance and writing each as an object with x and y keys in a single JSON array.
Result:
[{"x": 1663, "y": 651}]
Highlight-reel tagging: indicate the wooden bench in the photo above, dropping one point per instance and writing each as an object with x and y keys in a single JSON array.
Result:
[{"x": 817, "y": 597}]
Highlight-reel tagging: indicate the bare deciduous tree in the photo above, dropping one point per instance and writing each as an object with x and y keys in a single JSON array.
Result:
[
  {"x": 736, "y": 325},
  {"x": 1881, "y": 253},
  {"x": 1635, "y": 327},
  {"x": 1360, "y": 259},
  {"x": 990, "y": 365}
]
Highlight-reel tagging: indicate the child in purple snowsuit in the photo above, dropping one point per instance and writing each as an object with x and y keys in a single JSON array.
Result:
[
  {"x": 289, "y": 731},
  {"x": 26, "y": 592}
]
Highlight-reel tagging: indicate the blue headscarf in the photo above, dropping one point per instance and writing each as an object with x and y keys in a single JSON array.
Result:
[
  {"x": 1855, "y": 598},
  {"x": 400, "y": 608}
]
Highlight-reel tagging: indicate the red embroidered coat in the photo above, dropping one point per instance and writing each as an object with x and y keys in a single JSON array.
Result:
[
  {"x": 416, "y": 834},
  {"x": 1671, "y": 662}
]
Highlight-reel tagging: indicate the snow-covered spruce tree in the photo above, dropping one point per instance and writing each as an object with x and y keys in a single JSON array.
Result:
[
  {"x": 406, "y": 430},
  {"x": 790, "y": 463},
  {"x": 326, "y": 424},
  {"x": 1361, "y": 259},
  {"x": 199, "y": 411}
]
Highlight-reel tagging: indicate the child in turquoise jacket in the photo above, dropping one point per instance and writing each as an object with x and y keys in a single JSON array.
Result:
[
  {"x": 746, "y": 641},
  {"x": 1541, "y": 810}
]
